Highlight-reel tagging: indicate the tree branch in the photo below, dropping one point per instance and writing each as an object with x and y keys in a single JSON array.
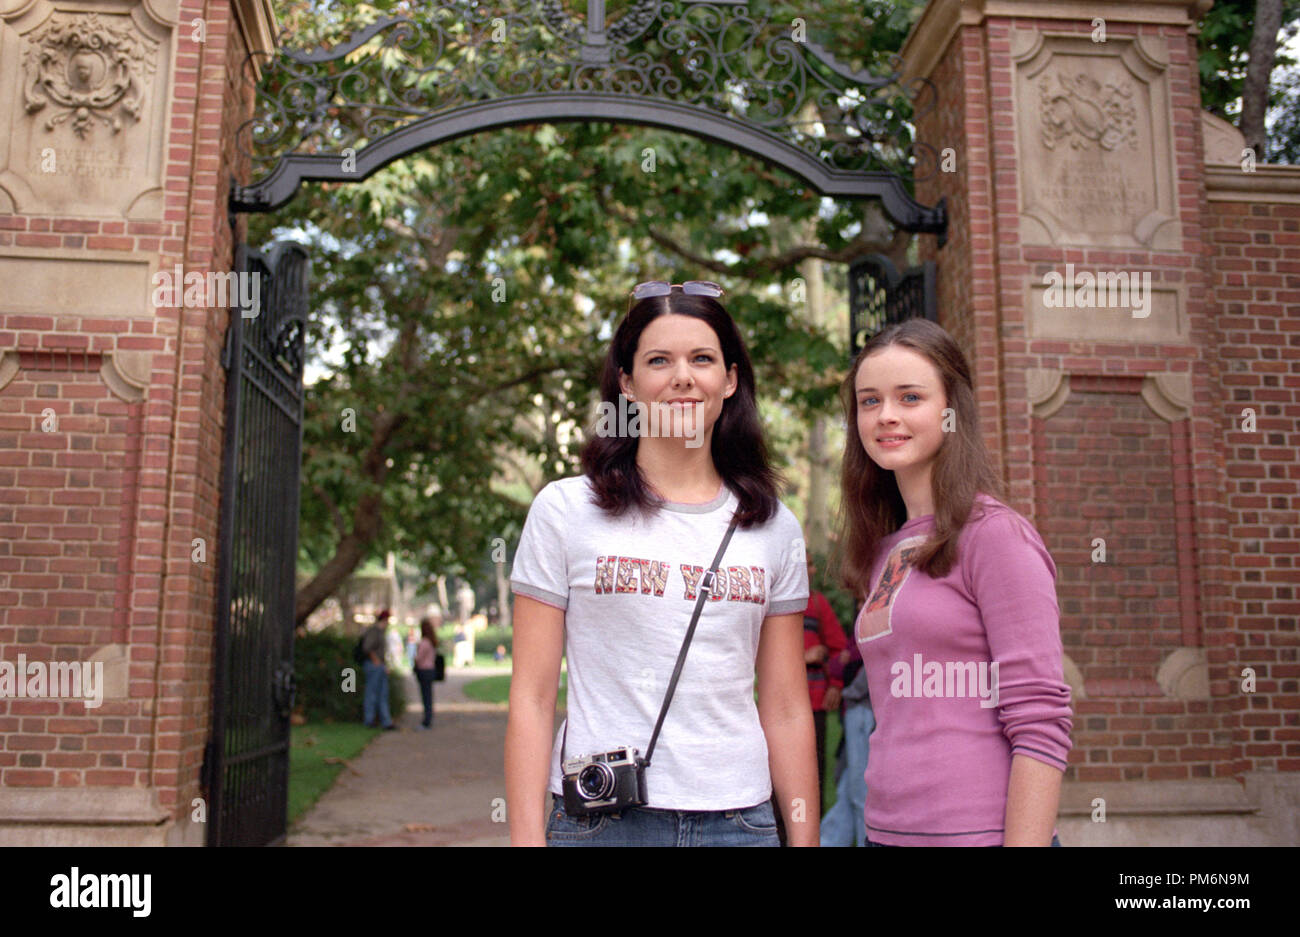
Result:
[{"x": 865, "y": 243}]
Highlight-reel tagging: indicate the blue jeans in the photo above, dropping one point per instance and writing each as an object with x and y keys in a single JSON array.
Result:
[
  {"x": 843, "y": 824},
  {"x": 1055, "y": 842},
  {"x": 652, "y": 826},
  {"x": 376, "y": 696},
  {"x": 425, "y": 677}
]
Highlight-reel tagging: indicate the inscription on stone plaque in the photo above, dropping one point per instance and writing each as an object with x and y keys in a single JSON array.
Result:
[{"x": 1093, "y": 136}]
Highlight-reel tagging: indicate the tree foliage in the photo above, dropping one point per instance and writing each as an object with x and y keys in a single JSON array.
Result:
[
  {"x": 1223, "y": 45},
  {"x": 462, "y": 298}
]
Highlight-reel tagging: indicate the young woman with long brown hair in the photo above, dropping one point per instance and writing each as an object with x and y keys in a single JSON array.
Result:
[
  {"x": 960, "y": 630},
  {"x": 425, "y": 667},
  {"x": 608, "y": 572}
]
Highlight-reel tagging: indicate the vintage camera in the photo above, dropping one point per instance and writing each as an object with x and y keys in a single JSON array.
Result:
[{"x": 604, "y": 783}]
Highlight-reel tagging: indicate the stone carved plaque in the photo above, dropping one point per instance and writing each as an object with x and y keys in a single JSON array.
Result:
[
  {"x": 1161, "y": 318},
  {"x": 1093, "y": 142},
  {"x": 83, "y": 105},
  {"x": 86, "y": 70}
]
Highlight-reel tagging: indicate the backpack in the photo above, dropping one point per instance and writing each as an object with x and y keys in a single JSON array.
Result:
[{"x": 358, "y": 653}]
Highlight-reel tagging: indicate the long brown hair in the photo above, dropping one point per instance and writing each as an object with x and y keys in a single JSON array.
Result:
[
  {"x": 426, "y": 630},
  {"x": 737, "y": 446},
  {"x": 871, "y": 506}
]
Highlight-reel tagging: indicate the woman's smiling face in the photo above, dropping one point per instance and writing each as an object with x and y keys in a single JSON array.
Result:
[
  {"x": 900, "y": 404},
  {"x": 679, "y": 369}
]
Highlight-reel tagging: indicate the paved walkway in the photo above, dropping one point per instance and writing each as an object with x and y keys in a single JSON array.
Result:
[{"x": 418, "y": 788}]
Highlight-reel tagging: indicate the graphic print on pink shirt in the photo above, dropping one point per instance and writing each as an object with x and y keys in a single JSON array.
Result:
[{"x": 876, "y": 619}]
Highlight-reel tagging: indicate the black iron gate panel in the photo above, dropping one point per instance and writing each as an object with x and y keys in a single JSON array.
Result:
[
  {"x": 879, "y": 296},
  {"x": 247, "y": 761}
]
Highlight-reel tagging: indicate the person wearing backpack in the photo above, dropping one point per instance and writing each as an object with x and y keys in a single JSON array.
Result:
[{"x": 374, "y": 644}]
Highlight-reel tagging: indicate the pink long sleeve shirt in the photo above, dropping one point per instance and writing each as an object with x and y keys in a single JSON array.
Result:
[{"x": 965, "y": 672}]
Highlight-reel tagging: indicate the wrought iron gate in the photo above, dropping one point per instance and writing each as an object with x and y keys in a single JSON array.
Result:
[
  {"x": 246, "y": 766},
  {"x": 880, "y": 296}
]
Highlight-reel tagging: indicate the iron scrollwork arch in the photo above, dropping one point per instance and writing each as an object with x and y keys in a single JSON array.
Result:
[{"x": 404, "y": 83}]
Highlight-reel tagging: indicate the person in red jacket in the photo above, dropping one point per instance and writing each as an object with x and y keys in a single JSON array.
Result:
[{"x": 823, "y": 640}]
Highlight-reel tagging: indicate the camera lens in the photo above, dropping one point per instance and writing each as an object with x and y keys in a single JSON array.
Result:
[{"x": 595, "y": 782}]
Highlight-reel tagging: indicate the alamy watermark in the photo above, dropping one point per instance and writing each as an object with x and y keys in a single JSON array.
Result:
[
  {"x": 208, "y": 290},
  {"x": 636, "y": 418},
  {"x": 954, "y": 679},
  {"x": 57, "y": 679},
  {"x": 78, "y": 889},
  {"x": 1104, "y": 289}
]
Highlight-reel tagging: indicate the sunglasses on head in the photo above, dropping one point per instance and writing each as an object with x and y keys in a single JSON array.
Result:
[{"x": 663, "y": 288}]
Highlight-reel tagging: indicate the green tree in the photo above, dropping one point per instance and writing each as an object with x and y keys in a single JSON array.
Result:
[
  {"x": 1227, "y": 31},
  {"x": 462, "y": 297}
]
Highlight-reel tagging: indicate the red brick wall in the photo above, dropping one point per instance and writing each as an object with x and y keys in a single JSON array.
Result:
[
  {"x": 98, "y": 519},
  {"x": 189, "y": 613},
  {"x": 1119, "y": 470},
  {"x": 67, "y": 517},
  {"x": 1073, "y": 472},
  {"x": 1254, "y": 253},
  {"x": 965, "y": 271}
]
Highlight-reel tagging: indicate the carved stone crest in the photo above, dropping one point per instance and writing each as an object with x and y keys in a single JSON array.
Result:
[
  {"x": 1094, "y": 141},
  {"x": 1083, "y": 111},
  {"x": 87, "y": 70}
]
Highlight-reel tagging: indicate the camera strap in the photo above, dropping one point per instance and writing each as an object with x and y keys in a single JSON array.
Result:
[{"x": 707, "y": 583}]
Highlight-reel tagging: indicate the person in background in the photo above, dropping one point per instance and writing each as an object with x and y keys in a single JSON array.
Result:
[
  {"x": 462, "y": 644},
  {"x": 412, "y": 644},
  {"x": 374, "y": 643},
  {"x": 423, "y": 665},
  {"x": 823, "y": 642},
  {"x": 843, "y": 824},
  {"x": 396, "y": 646}
]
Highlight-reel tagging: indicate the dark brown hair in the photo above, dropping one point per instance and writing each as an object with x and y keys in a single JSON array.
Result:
[
  {"x": 426, "y": 630},
  {"x": 737, "y": 447},
  {"x": 871, "y": 506}
]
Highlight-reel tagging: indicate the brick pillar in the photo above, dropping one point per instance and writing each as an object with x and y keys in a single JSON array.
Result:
[
  {"x": 1071, "y": 135},
  {"x": 110, "y": 405}
]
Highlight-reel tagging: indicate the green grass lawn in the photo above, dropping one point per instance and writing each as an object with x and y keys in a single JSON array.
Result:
[
  {"x": 496, "y": 689},
  {"x": 310, "y": 745}
]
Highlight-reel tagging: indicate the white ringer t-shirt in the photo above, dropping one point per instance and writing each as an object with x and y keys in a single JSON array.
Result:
[{"x": 628, "y": 587}]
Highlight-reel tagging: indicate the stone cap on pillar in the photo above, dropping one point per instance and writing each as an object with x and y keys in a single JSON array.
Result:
[
  {"x": 931, "y": 34},
  {"x": 257, "y": 25}
]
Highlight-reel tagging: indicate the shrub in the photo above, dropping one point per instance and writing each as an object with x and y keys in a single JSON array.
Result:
[
  {"x": 842, "y": 601},
  {"x": 318, "y": 664}
]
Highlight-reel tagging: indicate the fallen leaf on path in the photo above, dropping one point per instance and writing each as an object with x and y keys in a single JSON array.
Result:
[{"x": 335, "y": 760}]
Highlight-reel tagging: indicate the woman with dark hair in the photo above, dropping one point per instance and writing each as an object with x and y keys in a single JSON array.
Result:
[
  {"x": 610, "y": 568},
  {"x": 425, "y": 667},
  {"x": 960, "y": 630}
]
